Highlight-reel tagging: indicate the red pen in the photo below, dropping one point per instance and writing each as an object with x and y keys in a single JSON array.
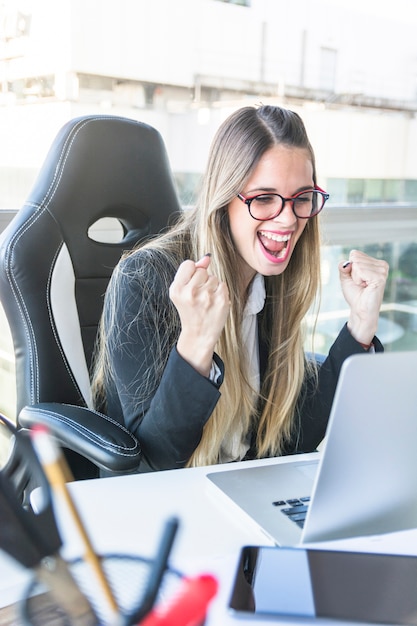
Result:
[{"x": 188, "y": 607}]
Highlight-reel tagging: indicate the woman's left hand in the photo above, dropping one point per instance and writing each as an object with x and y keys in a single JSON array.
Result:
[{"x": 363, "y": 280}]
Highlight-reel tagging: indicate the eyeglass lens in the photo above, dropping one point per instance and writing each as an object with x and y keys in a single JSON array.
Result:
[{"x": 306, "y": 204}]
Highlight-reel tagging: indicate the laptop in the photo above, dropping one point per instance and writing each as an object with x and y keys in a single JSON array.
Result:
[{"x": 364, "y": 482}]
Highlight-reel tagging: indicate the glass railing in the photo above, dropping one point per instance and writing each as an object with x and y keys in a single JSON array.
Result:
[{"x": 397, "y": 327}]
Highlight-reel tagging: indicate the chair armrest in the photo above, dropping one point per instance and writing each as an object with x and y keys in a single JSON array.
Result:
[{"x": 97, "y": 437}]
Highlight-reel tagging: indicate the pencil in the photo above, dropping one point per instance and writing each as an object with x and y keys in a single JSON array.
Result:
[{"x": 57, "y": 472}]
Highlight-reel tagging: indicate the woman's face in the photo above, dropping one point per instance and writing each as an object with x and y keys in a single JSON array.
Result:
[{"x": 266, "y": 247}]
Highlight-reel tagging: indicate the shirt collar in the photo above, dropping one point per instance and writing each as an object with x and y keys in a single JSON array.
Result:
[{"x": 256, "y": 298}]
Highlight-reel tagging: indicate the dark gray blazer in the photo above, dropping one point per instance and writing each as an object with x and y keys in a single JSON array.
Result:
[{"x": 169, "y": 423}]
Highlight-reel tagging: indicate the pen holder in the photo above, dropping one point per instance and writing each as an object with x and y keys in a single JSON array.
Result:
[{"x": 127, "y": 576}]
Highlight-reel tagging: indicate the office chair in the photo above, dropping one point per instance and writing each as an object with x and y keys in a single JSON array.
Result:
[{"x": 54, "y": 274}]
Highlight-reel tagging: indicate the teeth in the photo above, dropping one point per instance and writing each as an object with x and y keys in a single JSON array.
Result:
[{"x": 275, "y": 237}]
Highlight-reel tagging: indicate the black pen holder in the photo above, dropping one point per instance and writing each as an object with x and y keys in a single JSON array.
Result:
[{"x": 127, "y": 577}]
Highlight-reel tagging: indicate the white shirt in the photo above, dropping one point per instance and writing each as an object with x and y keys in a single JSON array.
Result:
[{"x": 235, "y": 446}]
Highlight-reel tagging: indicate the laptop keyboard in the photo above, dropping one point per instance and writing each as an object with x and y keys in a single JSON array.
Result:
[{"x": 295, "y": 509}]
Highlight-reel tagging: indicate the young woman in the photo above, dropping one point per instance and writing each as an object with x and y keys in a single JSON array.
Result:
[{"x": 201, "y": 348}]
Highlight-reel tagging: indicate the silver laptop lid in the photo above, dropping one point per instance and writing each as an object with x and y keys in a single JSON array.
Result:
[{"x": 367, "y": 477}]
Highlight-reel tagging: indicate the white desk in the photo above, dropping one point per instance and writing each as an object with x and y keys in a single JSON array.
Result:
[{"x": 127, "y": 514}]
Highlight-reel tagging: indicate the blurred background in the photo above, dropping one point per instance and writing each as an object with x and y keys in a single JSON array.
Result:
[{"x": 349, "y": 68}]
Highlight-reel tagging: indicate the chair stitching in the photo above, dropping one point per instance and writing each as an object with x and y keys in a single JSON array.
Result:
[
  {"x": 70, "y": 140},
  {"x": 21, "y": 303},
  {"x": 103, "y": 415},
  {"x": 34, "y": 389},
  {"x": 86, "y": 433}
]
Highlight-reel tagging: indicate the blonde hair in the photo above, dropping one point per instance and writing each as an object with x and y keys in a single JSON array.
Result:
[{"x": 236, "y": 149}]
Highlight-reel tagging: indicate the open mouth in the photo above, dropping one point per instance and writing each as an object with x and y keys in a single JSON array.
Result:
[{"x": 274, "y": 244}]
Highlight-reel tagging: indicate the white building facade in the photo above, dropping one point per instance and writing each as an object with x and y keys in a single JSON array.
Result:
[{"x": 349, "y": 68}]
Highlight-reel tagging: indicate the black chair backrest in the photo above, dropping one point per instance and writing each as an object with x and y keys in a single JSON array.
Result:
[{"x": 53, "y": 274}]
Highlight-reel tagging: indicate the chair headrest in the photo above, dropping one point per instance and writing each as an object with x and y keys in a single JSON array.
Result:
[{"x": 98, "y": 166}]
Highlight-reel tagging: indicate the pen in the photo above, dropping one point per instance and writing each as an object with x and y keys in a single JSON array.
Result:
[
  {"x": 188, "y": 607},
  {"x": 57, "y": 472},
  {"x": 157, "y": 572}
]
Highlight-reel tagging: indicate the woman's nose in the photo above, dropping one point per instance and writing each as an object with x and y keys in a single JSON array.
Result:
[{"x": 287, "y": 214}]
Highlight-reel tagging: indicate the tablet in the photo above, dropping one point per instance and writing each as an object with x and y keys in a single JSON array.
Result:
[{"x": 313, "y": 583}]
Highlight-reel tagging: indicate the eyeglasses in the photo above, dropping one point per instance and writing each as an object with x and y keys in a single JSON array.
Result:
[{"x": 267, "y": 206}]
